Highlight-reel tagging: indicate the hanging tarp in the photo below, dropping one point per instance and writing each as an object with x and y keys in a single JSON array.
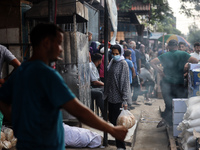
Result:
[{"x": 112, "y": 10}]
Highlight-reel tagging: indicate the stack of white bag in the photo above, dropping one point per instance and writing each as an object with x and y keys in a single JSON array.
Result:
[
  {"x": 191, "y": 122},
  {"x": 7, "y": 138}
]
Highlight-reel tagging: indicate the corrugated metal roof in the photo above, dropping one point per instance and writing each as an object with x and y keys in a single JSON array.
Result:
[{"x": 139, "y": 7}]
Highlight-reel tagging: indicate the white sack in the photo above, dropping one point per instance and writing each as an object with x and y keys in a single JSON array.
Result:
[
  {"x": 192, "y": 100},
  {"x": 191, "y": 141},
  {"x": 9, "y": 134},
  {"x": 181, "y": 126},
  {"x": 185, "y": 136},
  {"x": 194, "y": 128},
  {"x": 191, "y": 123},
  {"x": 80, "y": 137},
  {"x": 193, "y": 112}
]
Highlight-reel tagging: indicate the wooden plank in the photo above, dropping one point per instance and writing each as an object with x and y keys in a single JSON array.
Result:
[{"x": 171, "y": 139}]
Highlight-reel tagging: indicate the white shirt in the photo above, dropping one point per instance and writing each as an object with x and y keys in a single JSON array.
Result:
[
  {"x": 5, "y": 56},
  {"x": 196, "y": 55},
  {"x": 94, "y": 74},
  {"x": 145, "y": 75}
]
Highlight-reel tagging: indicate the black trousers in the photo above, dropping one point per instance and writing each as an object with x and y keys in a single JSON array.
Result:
[
  {"x": 149, "y": 85},
  {"x": 170, "y": 91},
  {"x": 97, "y": 94},
  {"x": 114, "y": 111},
  {"x": 136, "y": 88}
]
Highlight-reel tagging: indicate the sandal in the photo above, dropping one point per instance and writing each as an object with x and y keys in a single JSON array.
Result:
[{"x": 161, "y": 123}]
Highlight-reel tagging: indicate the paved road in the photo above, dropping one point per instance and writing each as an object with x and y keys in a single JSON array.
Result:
[{"x": 148, "y": 137}]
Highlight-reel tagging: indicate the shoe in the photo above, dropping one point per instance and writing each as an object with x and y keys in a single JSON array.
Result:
[
  {"x": 161, "y": 123},
  {"x": 135, "y": 103},
  {"x": 131, "y": 107}
]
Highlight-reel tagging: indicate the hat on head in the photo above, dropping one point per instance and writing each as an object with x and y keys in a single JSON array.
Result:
[
  {"x": 173, "y": 43},
  {"x": 98, "y": 43},
  {"x": 102, "y": 50}
]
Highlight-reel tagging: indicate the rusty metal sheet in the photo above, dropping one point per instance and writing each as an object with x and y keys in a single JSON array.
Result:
[
  {"x": 64, "y": 9},
  {"x": 93, "y": 22},
  {"x": 75, "y": 67}
]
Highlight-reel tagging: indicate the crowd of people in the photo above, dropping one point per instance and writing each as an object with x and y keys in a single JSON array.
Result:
[
  {"x": 144, "y": 65},
  {"x": 33, "y": 95}
]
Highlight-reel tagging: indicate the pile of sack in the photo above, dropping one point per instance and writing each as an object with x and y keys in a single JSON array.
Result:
[
  {"x": 190, "y": 123},
  {"x": 7, "y": 140}
]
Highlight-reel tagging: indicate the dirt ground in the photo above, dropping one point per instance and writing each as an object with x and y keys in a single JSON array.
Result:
[{"x": 147, "y": 137}]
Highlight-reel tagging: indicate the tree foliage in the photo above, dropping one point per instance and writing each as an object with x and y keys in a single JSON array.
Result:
[
  {"x": 194, "y": 34},
  {"x": 158, "y": 13},
  {"x": 161, "y": 14},
  {"x": 127, "y": 4},
  {"x": 168, "y": 26},
  {"x": 187, "y": 9}
]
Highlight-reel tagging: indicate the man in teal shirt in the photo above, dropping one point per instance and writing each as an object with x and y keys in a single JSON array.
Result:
[
  {"x": 35, "y": 93},
  {"x": 172, "y": 84}
]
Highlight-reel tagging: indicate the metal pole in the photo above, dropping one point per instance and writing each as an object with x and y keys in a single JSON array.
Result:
[
  {"x": 51, "y": 8},
  {"x": 105, "y": 140},
  {"x": 163, "y": 43}
]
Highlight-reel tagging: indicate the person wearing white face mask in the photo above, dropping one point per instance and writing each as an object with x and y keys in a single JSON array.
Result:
[{"x": 117, "y": 89}]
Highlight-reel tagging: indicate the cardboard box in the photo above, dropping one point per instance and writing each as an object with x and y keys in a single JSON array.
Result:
[
  {"x": 195, "y": 91},
  {"x": 194, "y": 66},
  {"x": 178, "y": 117},
  {"x": 179, "y": 105},
  {"x": 179, "y": 109},
  {"x": 175, "y": 131},
  {"x": 196, "y": 77}
]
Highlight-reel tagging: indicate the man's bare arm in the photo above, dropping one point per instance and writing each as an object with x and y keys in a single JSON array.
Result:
[
  {"x": 6, "y": 110},
  {"x": 154, "y": 64},
  {"x": 85, "y": 115},
  {"x": 15, "y": 63},
  {"x": 193, "y": 60},
  {"x": 97, "y": 83}
]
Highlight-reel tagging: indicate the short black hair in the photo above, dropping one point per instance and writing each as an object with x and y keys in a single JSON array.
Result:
[
  {"x": 121, "y": 42},
  {"x": 181, "y": 43},
  {"x": 126, "y": 45},
  {"x": 173, "y": 43},
  {"x": 43, "y": 30},
  {"x": 96, "y": 57},
  {"x": 196, "y": 44},
  {"x": 89, "y": 33},
  {"x": 127, "y": 53},
  {"x": 116, "y": 46}
]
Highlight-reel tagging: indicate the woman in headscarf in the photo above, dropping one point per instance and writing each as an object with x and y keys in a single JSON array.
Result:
[
  {"x": 117, "y": 90},
  {"x": 95, "y": 47}
]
